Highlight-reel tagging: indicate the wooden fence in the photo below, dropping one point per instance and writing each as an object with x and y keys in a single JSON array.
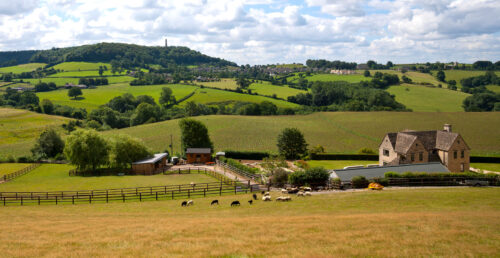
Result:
[
  {"x": 21, "y": 172},
  {"x": 166, "y": 192},
  {"x": 254, "y": 177}
]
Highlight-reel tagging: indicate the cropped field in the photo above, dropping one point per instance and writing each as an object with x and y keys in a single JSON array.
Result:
[
  {"x": 428, "y": 99},
  {"x": 452, "y": 222},
  {"x": 224, "y": 83},
  {"x": 20, "y": 128},
  {"x": 80, "y": 66},
  {"x": 93, "y": 98},
  {"x": 54, "y": 177},
  {"x": 339, "y": 164},
  {"x": 21, "y": 68},
  {"x": 7, "y": 168},
  {"x": 342, "y": 132}
]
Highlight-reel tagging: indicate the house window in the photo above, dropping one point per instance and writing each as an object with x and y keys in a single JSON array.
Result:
[
  {"x": 421, "y": 156},
  {"x": 413, "y": 157},
  {"x": 462, "y": 154},
  {"x": 416, "y": 144},
  {"x": 455, "y": 154},
  {"x": 386, "y": 153}
]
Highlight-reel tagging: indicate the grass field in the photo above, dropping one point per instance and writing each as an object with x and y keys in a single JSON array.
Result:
[
  {"x": 262, "y": 88},
  {"x": 75, "y": 80},
  {"x": 80, "y": 66},
  {"x": 343, "y": 132},
  {"x": 21, "y": 68},
  {"x": 427, "y": 99},
  {"x": 451, "y": 222},
  {"x": 336, "y": 77},
  {"x": 54, "y": 177},
  {"x": 94, "y": 73},
  {"x": 458, "y": 75},
  {"x": 93, "y": 98},
  {"x": 19, "y": 129},
  {"x": 7, "y": 168},
  {"x": 339, "y": 164},
  {"x": 487, "y": 166},
  {"x": 494, "y": 88}
]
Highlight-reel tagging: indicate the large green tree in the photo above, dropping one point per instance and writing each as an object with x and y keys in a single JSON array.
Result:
[
  {"x": 87, "y": 149},
  {"x": 441, "y": 76},
  {"x": 48, "y": 145},
  {"x": 291, "y": 143},
  {"x": 75, "y": 92},
  {"x": 167, "y": 97},
  {"x": 194, "y": 134},
  {"x": 125, "y": 150}
]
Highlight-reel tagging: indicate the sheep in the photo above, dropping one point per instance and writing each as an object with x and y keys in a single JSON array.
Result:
[
  {"x": 254, "y": 196},
  {"x": 307, "y": 189},
  {"x": 250, "y": 201},
  {"x": 267, "y": 194},
  {"x": 193, "y": 184},
  {"x": 190, "y": 202},
  {"x": 266, "y": 198},
  {"x": 235, "y": 203},
  {"x": 215, "y": 202},
  {"x": 300, "y": 193},
  {"x": 307, "y": 194},
  {"x": 283, "y": 199},
  {"x": 184, "y": 203},
  {"x": 293, "y": 190},
  {"x": 284, "y": 191}
]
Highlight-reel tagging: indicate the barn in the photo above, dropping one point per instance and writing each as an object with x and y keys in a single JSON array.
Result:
[
  {"x": 150, "y": 166},
  {"x": 198, "y": 155}
]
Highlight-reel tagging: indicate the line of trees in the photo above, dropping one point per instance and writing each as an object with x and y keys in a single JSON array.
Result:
[{"x": 322, "y": 63}]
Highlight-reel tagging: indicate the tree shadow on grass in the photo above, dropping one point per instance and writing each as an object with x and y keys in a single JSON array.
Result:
[{"x": 78, "y": 98}]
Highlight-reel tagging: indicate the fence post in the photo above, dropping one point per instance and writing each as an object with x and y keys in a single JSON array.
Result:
[
  {"x": 73, "y": 199},
  {"x": 151, "y": 190},
  {"x": 56, "y": 199},
  {"x": 4, "y": 201},
  {"x": 220, "y": 190},
  {"x": 172, "y": 194},
  {"x": 123, "y": 196},
  {"x": 106, "y": 196}
]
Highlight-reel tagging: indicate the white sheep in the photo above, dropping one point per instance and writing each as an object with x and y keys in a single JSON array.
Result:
[
  {"x": 300, "y": 193},
  {"x": 284, "y": 191},
  {"x": 267, "y": 194},
  {"x": 307, "y": 189},
  {"x": 190, "y": 202},
  {"x": 307, "y": 194},
  {"x": 266, "y": 198}
]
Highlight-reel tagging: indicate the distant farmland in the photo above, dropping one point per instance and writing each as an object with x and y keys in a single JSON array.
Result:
[
  {"x": 342, "y": 132},
  {"x": 21, "y": 68}
]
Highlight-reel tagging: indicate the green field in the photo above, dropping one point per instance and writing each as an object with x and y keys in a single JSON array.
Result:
[
  {"x": 75, "y": 80},
  {"x": 428, "y": 99},
  {"x": 93, "y": 73},
  {"x": 93, "y": 98},
  {"x": 487, "y": 166},
  {"x": 54, "y": 177},
  {"x": 262, "y": 88},
  {"x": 80, "y": 66},
  {"x": 458, "y": 75},
  {"x": 494, "y": 88},
  {"x": 19, "y": 129},
  {"x": 336, "y": 77},
  {"x": 21, "y": 68},
  {"x": 339, "y": 164},
  {"x": 7, "y": 168},
  {"x": 342, "y": 132},
  {"x": 442, "y": 222}
]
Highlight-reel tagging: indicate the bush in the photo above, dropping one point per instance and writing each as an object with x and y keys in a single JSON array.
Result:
[
  {"x": 279, "y": 178},
  {"x": 317, "y": 176},
  {"x": 359, "y": 182},
  {"x": 302, "y": 164},
  {"x": 240, "y": 166},
  {"x": 24, "y": 159},
  {"x": 252, "y": 155},
  {"x": 366, "y": 151}
]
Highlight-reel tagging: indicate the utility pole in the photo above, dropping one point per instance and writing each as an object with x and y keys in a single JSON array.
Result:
[{"x": 171, "y": 146}]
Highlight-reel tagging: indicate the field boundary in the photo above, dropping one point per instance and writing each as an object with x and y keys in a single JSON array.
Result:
[
  {"x": 19, "y": 173},
  {"x": 166, "y": 192}
]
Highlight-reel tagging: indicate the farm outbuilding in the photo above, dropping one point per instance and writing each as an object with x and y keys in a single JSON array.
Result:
[
  {"x": 150, "y": 166},
  {"x": 198, "y": 155}
]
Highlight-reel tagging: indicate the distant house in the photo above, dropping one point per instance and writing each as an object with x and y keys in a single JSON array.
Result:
[
  {"x": 198, "y": 155},
  {"x": 362, "y": 67},
  {"x": 150, "y": 166},
  {"x": 413, "y": 147},
  {"x": 19, "y": 89},
  {"x": 71, "y": 85},
  {"x": 342, "y": 72}
]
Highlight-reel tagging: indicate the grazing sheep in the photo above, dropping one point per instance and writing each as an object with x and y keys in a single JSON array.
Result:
[
  {"x": 184, "y": 203},
  {"x": 307, "y": 189},
  {"x": 235, "y": 203},
  {"x": 307, "y": 194},
  {"x": 284, "y": 191},
  {"x": 300, "y": 193},
  {"x": 267, "y": 194},
  {"x": 293, "y": 190},
  {"x": 215, "y": 202},
  {"x": 254, "y": 196},
  {"x": 283, "y": 199},
  {"x": 266, "y": 198},
  {"x": 250, "y": 201},
  {"x": 190, "y": 202},
  {"x": 193, "y": 184}
]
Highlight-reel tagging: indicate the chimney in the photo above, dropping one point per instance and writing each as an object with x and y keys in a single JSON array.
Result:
[{"x": 447, "y": 128}]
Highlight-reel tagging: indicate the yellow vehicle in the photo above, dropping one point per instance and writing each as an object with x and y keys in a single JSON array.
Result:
[{"x": 375, "y": 186}]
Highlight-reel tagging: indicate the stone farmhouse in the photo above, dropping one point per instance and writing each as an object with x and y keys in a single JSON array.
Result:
[
  {"x": 413, "y": 147},
  {"x": 342, "y": 72}
]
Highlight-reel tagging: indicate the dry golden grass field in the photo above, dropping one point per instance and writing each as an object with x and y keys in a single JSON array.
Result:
[{"x": 446, "y": 222}]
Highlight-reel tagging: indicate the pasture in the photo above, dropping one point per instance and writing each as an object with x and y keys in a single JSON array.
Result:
[
  {"x": 93, "y": 98},
  {"x": 335, "y": 77},
  {"x": 54, "y": 177},
  {"x": 455, "y": 222},
  {"x": 61, "y": 81},
  {"x": 7, "y": 168},
  {"x": 21, "y": 68},
  {"x": 20, "y": 128},
  {"x": 80, "y": 66},
  {"x": 487, "y": 166},
  {"x": 428, "y": 99},
  {"x": 340, "y": 132},
  {"x": 92, "y": 73},
  {"x": 458, "y": 75}
]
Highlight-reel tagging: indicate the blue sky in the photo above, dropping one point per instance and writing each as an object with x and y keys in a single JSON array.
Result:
[{"x": 266, "y": 31}]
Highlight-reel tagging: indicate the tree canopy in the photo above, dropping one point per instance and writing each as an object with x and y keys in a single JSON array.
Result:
[
  {"x": 194, "y": 134},
  {"x": 48, "y": 145},
  {"x": 291, "y": 143},
  {"x": 87, "y": 149}
]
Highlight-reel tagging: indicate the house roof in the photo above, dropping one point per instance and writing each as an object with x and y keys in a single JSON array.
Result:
[
  {"x": 372, "y": 172},
  {"x": 441, "y": 140},
  {"x": 157, "y": 157},
  {"x": 199, "y": 150}
]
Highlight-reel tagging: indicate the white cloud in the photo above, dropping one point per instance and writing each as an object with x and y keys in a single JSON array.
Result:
[{"x": 266, "y": 31}]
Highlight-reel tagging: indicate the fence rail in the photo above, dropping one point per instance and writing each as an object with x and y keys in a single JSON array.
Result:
[
  {"x": 21, "y": 172},
  {"x": 127, "y": 194},
  {"x": 257, "y": 178}
]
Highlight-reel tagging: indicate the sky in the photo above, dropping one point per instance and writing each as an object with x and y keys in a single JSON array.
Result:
[{"x": 266, "y": 31}]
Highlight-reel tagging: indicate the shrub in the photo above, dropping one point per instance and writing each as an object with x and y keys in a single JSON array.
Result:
[
  {"x": 302, "y": 164},
  {"x": 359, "y": 182},
  {"x": 382, "y": 181},
  {"x": 366, "y": 150},
  {"x": 279, "y": 178},
  {"x": 252, "y": 155},
  {"x": 24, "y": 159},
  {"x": 240, "y": 166},
  {"x": 317, "y": 176}
]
